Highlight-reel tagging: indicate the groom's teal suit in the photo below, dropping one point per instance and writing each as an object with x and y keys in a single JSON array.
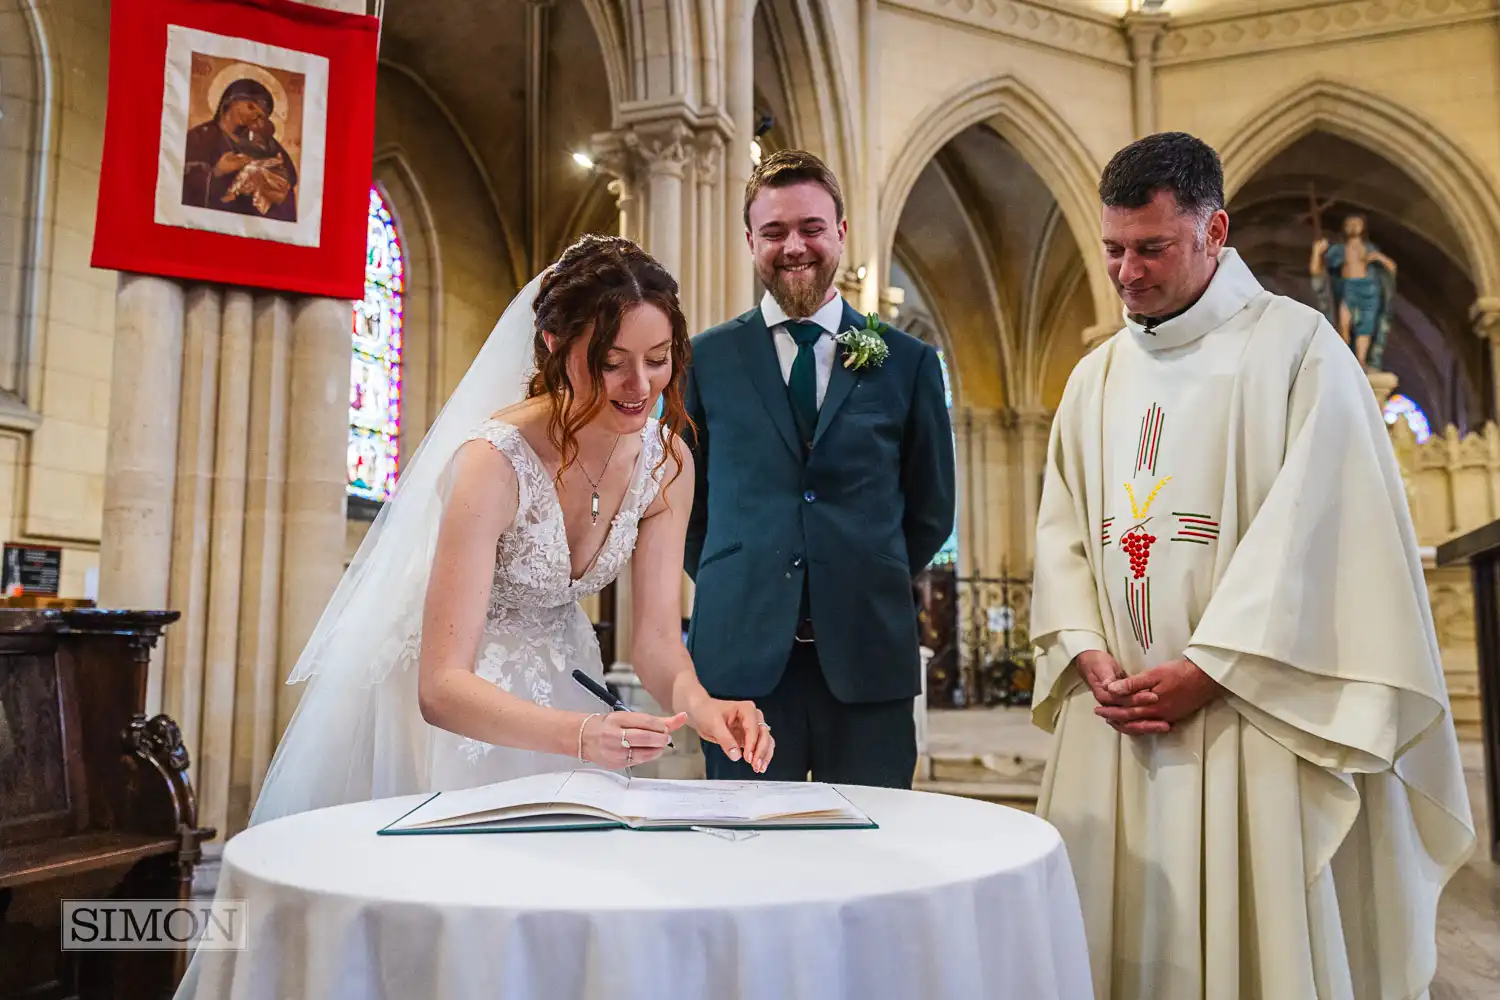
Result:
[{"x": 817, "y": 539}]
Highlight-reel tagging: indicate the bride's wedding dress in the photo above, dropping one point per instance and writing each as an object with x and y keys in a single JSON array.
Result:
[
  {"x": 358, "y": 731},
  {"x": 535, "y": 630}
]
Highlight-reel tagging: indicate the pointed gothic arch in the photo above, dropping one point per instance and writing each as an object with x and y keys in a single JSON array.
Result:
[
  {"x": 26, "y": 116},
  {"x": 423, "y": 348},
  {"x": 1042, "y": 137},
  {"x": 1462, "y": 188},
  {"x": 812, "y": 76}
]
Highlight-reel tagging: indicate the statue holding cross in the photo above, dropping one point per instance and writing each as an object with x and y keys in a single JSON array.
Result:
[{"x": 1355, "y": 284}]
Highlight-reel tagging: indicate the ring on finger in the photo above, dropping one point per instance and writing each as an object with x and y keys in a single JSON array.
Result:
[{"x": 624, "y": 742}]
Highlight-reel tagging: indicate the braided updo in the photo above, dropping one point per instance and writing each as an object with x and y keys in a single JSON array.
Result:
[{"x": 586, "y": 294}]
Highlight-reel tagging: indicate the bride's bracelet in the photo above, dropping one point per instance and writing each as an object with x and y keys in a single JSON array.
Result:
[{"x": 581, "y": 725}]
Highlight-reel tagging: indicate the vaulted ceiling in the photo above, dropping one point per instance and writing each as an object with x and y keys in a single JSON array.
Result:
[
  {"x": 524, "y": 83},
  {"x": 994, "y": 269}
]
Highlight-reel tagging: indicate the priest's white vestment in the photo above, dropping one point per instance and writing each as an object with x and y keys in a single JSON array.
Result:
[{"x": 1222, "y": 487}]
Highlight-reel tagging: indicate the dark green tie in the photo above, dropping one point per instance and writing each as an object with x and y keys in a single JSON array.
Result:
[{"x": 803, "y": 383}]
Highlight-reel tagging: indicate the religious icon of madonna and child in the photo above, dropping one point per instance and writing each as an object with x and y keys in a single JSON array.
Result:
[{"x": 239, "y": 159}]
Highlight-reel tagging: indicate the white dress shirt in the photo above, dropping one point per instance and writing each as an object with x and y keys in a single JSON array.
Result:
[{"x": 828, "y": 317}]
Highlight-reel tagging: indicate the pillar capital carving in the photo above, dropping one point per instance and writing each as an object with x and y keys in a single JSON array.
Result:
[
  {"x": 708, "y": 147},
  {"x": 1143, "y": 30},
  {"x": 1484, "y": 315},
  {"x": 664, "y": 150}
]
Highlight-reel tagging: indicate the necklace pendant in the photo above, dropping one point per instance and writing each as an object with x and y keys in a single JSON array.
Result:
[{"x": 594, "y": 508}]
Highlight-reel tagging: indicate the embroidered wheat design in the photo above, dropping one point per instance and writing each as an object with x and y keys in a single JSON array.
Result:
[{"x": 1139, "y": 510}]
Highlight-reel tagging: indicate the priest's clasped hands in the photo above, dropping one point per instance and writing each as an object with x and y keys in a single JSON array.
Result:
[{"x": 1148, "y": 702}]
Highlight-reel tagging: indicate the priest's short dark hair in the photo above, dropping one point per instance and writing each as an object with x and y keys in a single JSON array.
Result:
[{"x": 1166, "y": 161}]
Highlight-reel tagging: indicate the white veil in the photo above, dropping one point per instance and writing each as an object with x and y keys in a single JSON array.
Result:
[{"x": 357, "y": 733}]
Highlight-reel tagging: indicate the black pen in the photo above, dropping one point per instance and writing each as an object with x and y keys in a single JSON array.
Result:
[{"x": 601, "y": 692}]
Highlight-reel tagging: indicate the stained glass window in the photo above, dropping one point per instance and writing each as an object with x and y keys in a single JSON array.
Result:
[
  {"x": 1399, "y": 406},
  {"x": 948, "y": 554},
  {"x": 375, "y": 371}
]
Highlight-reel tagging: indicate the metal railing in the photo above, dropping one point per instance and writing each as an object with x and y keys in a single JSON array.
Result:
[{"x": 978, "y": 627}]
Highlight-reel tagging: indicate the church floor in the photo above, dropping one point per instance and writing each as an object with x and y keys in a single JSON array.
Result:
[
  {"x": 1469, "y": 914},
  {"x": 998, "y": 755}
]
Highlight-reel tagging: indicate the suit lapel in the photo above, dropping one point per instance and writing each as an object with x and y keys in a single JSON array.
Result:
[
  {"x": 841, "y": 381},
  {"x": 764, "y": 368}
]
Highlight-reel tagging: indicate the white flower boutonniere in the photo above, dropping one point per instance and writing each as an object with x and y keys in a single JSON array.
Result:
[{"x": 864, "y": 345}]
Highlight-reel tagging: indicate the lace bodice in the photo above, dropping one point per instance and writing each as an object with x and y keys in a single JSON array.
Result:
[
  {"x": 533, "y": 567},
  {"x": 536, "y": 633}
]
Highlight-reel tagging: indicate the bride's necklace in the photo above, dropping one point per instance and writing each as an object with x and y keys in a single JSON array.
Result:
[{"x": 594, "y": 499}]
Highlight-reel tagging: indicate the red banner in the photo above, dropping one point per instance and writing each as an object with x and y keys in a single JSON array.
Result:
[{"x": 238, "y": 142}]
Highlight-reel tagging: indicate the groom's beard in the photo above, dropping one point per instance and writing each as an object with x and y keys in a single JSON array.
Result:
[{"x": 801, "y": 293}]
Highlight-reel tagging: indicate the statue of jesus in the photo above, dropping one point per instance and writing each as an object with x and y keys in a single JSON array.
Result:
[{"x": 1356, "y": 284}]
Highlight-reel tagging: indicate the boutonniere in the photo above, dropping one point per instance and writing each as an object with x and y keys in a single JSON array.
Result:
[{"x": 864, "y": 345}]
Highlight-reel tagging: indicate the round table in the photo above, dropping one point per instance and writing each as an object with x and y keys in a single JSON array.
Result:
[{"x": 950, "y": 899}]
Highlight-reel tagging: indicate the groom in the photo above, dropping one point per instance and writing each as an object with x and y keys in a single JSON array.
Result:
[{"x": 824, "y": 483}]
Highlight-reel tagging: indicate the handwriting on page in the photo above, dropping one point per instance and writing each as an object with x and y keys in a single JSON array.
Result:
[{"x": 727, "y": 800}]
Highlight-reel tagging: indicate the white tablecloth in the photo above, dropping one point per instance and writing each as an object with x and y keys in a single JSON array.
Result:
[{"x": 951, "y": 899}]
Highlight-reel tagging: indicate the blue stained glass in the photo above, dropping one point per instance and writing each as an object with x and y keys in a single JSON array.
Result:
[
  {"x": 1399, "y": 407},
  {"x": 375, "y": 368},
  {"x": 948, "y": 554}
]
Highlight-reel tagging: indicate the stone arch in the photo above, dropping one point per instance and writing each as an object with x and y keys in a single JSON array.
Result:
[
  {"x": 26, "y": 113},
  {"x": 806, "y": 54},
  {"x": 662, "y": 50},
  {"x": 422, "y": 347},
  {"x": 1043, "y": 138},
  {"x": 1439, "y": 164},
  {"x": 931, "y": 327}
]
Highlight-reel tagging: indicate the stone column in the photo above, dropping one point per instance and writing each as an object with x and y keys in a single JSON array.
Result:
[
  {"x": 868, "y": 216},
  {"x": 710, "y": 153},
  {"x": 182, "y": 686},
  {"x": 664, "y": 152},
  {"x": 1032, "y": 429},
  {"x": 256, "y": 676},
  {"x": 1144, "y": 30},
  {"x": 608, "y": 151},
  {"x": 226, "y": 551},
  {"x": 1484, "y": 314},
  {"x": 316, "y": 481},
  {"x": 135, "y": 551},
  {"x": 739, "y": 99}
]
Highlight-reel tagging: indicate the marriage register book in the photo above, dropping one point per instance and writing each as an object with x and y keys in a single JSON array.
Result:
[{"x": 595, "y": 799}]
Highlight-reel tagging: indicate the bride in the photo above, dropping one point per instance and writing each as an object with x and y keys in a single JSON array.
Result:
[{"x": 444, "y": 659}]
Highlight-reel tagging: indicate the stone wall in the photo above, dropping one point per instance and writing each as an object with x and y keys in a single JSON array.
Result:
[{"x": 1453, "y": 486}]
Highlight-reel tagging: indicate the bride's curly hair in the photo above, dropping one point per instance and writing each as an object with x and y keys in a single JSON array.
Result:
[{"x": 586, "y": 293}]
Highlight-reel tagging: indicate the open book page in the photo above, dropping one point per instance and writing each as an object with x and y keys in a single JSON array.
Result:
[
  {"x": 582, "y": 792},
  {"x": 658, "y": 800},
  {"x": 639, "y": 802}
]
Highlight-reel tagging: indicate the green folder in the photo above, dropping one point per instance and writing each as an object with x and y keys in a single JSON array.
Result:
[{"x": 593, "y": 799}]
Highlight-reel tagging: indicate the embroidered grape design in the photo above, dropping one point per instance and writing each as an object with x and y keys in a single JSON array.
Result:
[{"x": 1137, "y": 544}]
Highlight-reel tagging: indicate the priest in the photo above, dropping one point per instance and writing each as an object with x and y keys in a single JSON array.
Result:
[{"x": 1253, "y": 767}]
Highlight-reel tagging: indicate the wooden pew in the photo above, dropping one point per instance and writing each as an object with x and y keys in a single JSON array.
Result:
[{"x": 95, "y": 801}]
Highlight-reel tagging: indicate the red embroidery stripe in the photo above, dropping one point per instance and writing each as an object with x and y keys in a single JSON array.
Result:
[
  {"x": 1148, "y": 614},
  {"x": 1156, "y": 438},
  {"x": 1198, "y": 534},
  {"x": 1199, "y": 522},
  {"x": 1140, "y": 445}
]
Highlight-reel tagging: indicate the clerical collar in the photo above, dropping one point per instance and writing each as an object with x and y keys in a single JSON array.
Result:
[
  {"x": 829, "y": 315},
  {"x": 1230, "y": 290}
]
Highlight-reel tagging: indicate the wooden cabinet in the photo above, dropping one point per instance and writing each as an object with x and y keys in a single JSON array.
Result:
[{"x": 95, "y": 801}]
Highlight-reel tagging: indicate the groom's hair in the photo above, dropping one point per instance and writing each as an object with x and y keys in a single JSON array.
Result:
[
  {"x": 1177, "y": 162},
  {"x": 786, "y": 167}
]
